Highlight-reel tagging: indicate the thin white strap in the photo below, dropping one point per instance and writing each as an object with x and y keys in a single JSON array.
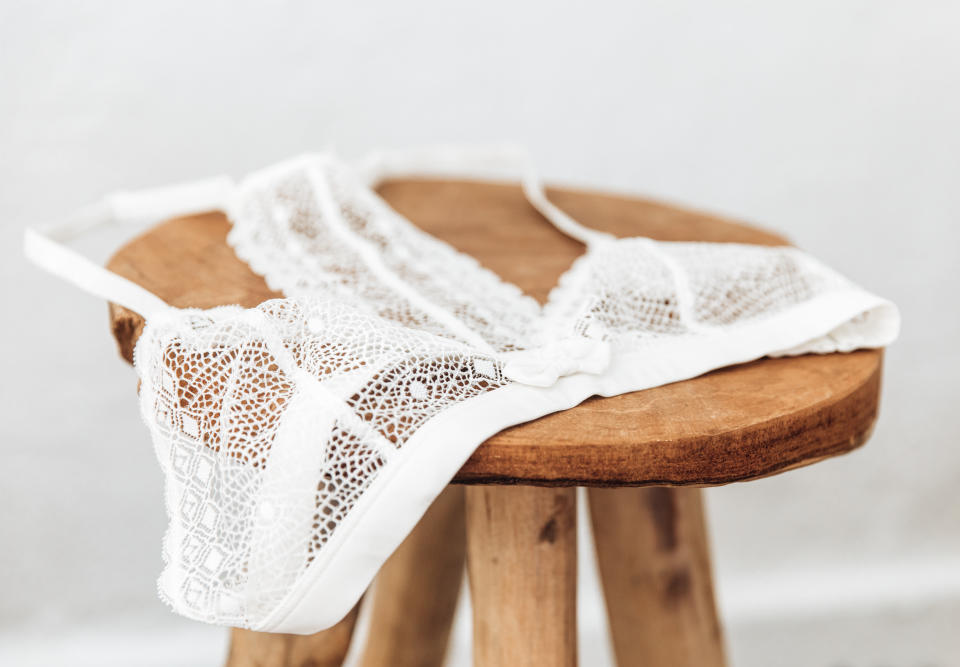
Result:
[
  {"x": 45, "y": 247},
  {"x": 447, "y": 161}
]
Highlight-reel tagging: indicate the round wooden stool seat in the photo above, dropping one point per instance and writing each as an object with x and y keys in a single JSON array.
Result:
[{"x": 734, "y": 424}]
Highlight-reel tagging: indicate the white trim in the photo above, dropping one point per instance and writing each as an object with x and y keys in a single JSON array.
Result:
[
  {"x": 45, "y": 247},
  {"x": 681, "y": 284},
  {"x": 447, "y": 161},
  {"x": 374, "y": 261},
  {"x": 394, "y": 502},
  {"x": 73, "y": 267}
]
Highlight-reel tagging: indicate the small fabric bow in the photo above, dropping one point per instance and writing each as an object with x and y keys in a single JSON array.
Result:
[{"x": 543, "y": 366}]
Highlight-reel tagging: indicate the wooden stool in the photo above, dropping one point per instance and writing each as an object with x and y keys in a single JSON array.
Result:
[{"x": 515, "y": 520}]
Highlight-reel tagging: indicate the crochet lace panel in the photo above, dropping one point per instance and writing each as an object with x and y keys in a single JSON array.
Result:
[
  {"x": 312, "y": 230},
  {"x": 309, "y": 229},
  {"x": 270, "y": 424}
]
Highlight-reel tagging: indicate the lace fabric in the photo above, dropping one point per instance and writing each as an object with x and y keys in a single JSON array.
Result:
[
  {"x": 310, "y": 229},
  {"x": 270, "y": 423},
  {"x": 302, "y": 439}
]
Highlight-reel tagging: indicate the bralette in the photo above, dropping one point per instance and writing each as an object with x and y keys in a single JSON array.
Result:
[{"x": 302, "y": 440}]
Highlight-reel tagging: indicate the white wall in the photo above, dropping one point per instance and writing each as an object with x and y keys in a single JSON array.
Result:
[{"x": 832, "y": 121}]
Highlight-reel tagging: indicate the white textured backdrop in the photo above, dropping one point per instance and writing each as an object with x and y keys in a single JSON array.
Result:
[{"x": 835, "y": 122}]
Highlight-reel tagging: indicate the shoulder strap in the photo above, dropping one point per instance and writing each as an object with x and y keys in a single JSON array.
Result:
[
  {"x": 447, "y": 161},
  {"x": 46, "y": 247}
]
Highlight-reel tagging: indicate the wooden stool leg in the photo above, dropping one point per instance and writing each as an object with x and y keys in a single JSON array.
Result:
[
  {"x": 654, "y": 561},
  {"x": 416, "y": 593},
  {"x": 264, "y": 649},
  {"x": 522, "y": 565}
]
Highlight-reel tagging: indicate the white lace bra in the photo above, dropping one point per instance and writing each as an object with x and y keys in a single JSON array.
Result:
[{"x": 303, "y": 439}]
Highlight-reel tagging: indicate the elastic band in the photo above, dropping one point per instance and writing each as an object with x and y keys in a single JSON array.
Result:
[
  {"x": 446, "y": 161},
  {"x": 46, "y": 247}
]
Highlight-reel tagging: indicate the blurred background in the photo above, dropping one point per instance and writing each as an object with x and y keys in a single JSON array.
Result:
[{"x": 834, "y": 122}]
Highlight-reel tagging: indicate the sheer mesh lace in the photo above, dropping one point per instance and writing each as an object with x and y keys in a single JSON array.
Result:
[
  {"x": 270, "y": 424},
  {"x": 312, "y": 229}
]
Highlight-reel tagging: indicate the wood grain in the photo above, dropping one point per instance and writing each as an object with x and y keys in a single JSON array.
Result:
[
  {"x": 654, "y": 564},
  {"x": 416, "y": 591},
  {"x": 266, "y": 649},
  {"x": 735, "y": 424},
  {"x": 522, "y": 567}
]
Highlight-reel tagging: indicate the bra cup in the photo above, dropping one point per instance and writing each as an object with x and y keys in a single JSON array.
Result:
[{"x": 226, "y": 422}]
